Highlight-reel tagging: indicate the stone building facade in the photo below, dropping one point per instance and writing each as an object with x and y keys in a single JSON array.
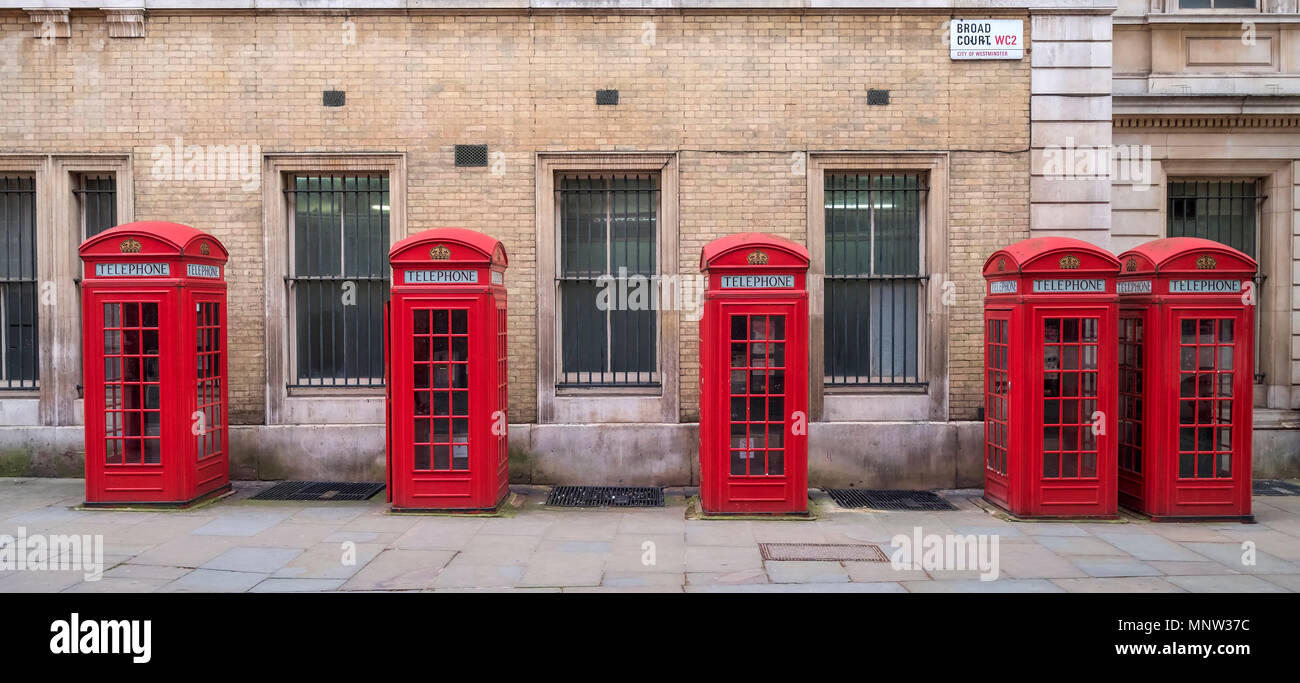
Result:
[{"x": 730, "y": 116}]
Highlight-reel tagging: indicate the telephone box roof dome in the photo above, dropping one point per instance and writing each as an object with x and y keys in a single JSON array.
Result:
[
  {"x": 1162, "y": 252},
  {"x": 1016, "y": 257},
  {"x": 749, "y": 240},
  {"x": 172, "y": 236},
  {"x": 490, "y": 248}
]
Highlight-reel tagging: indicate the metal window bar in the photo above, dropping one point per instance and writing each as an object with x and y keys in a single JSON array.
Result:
[
  {"x": 19, "y": 332},
  {"x": 338, "y": 278},
  {"x": 96, "y": 195},
  {"x": 876, "y": 327},
  {"x": 608, "y": 242},
  {"x": 1225, "y": 210}
]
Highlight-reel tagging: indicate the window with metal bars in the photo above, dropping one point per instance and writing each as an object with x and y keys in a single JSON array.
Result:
[
  {"x": 608, "y": 241},
  {"x": 875, "y": 284},
  {"x": 1217, "y": 4},
  {"x": 19, "y": 346},
  {"x": 96, "y": 202},
  {"x": 1225, "y": 210},
  {"x": 338, "y": 278}
]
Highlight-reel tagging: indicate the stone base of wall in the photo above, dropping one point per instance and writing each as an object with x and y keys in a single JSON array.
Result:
[{"x": 897, "y": 455}]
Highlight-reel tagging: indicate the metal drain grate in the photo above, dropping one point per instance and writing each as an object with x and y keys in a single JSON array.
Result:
[
  {"x": 888, "y": 500},
  {"x": 320, "y": 490},
  {"x": 822, "y": 552},
  {"x": 606, "y": 496},
  {"x": 1274, "y": 487}
]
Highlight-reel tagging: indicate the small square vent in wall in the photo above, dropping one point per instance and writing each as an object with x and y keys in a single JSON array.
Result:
[
  {"x": 470, "y": 156},
  {"x": 606, "y": 97},
  {"x": 877, "y": 97},
  {"x": 333, "y": 98}
]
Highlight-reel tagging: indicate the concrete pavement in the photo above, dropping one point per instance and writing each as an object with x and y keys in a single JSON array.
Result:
[{"x": 237, "y": 545}]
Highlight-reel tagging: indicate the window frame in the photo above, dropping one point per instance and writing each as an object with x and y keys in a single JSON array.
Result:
[
  {"x": 878, "y": 403},
  {"x": 604, "y": 404},
  {"x": 58, "y": 235},
  {"x": 326, "y": 404},
  {"x": 1274, "y": 246},
  {"x": 298, "y": 385},
  {"x": 1177, "y": 7},
  {"x": 563, "y": 378},
  {"x": 921, "y": 330}
]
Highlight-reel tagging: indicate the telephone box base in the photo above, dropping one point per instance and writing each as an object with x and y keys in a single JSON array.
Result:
[
  {"x": 1244, "y": 519},
  {"x": 1000, "y": 508},
  {"x": 495, "y": 509},
  {"x": 215, "y": 494}
]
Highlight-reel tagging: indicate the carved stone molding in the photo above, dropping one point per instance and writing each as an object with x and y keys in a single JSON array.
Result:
[
  {"x": 125, "y": 23},
  {"x": 1204, "y": 122},
  {"x": 50, "y": 23}
]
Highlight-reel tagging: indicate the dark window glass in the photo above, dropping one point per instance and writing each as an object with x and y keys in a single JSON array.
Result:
[
  {"x": 18, "y": 304},
  {"x": 338, "y": 278},
  {"x": 874, "y": 285}
]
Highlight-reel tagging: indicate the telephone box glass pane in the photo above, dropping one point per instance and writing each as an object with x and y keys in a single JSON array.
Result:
[
  {"x": 207, "y": 430},
  {"x": 1205, "y": 413},
  {"x": 1070, "y": 391},
  {"x": 996, "y": 396},
  {"x": 757, "y": 422},
  {"x": 1130, "y": 394},
  {"x": 440, "y": 388},
  {"x": 132, "y": 401}
]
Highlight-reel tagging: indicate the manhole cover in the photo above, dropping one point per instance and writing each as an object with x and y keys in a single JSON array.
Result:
[
  {"x": 606, "y": 496},
  {"x": 320, "y": 490},
  {"x": 823, "y": 552},
  {"x": 888, "y": 500},
  {"x": 1274, "y": 487}
]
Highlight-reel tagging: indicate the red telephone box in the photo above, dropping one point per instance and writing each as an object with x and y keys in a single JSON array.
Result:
[
  {"x": 153, "y": 321},
  {"x": 1050, "y": 319},
  {"x": 754, "y": 376},
  {"x": 447, "y": 398},
  {"x": 1187, "y": 356}
]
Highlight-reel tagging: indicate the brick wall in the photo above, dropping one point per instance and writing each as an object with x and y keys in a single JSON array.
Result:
[{"x": 734, "y": 94}]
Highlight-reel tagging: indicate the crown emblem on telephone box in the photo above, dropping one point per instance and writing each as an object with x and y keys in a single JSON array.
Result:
[
  {"x": 1069, "y": 262},
  {"x": 1207, "y": 262},
  {"x": 757, "y": 258},
  {"x": 130, "y": 246},
  {"x": 440, "y": 253}
]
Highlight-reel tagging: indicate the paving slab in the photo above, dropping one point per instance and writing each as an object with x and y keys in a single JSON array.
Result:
[
  {"x": 1232, "y": 555},
  {"x": 241, "y": 523},
  {"x": 1098, "y": 566},
  {"x": 214, "y": 581},
  {"x": 1146, "y": 546},
  {"x": 478, "y": 576},
  {"x": 977, "y": 586},
  {"x": 629, "y": 579},
  {"x": 744, "y": 576},
  {"x": 785, "y": 571},
  {"x": 146, "y": 572},
  {"x": 110, "y": 585},
  {"x": 1225, "y": 583},
  {"x": 400, "y": 570},
  {"x": 798, "y": 588},
  {"x": 1136, "y": 584},
  {"x": 439, "y": 533},
  {"x": 1082, "y": 545},
  {"x": 563, "y": 569},
  {"x": 329, "y": 561},
  {"x": 248, "y": 559},
  {"x": 274, "y": 585},
  {"x": 722, "y": 559},
  {"x": 882, "y": 572}
]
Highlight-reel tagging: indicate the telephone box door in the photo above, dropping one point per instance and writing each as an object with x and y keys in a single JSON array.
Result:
[
  {"x": 128, "y": 381},
  {"x": 1213, "y": 402},
  {"x": 1072, "y": 410},
  {"x": 433, "y": 445},
  {"x": 762, "y": 386}
]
